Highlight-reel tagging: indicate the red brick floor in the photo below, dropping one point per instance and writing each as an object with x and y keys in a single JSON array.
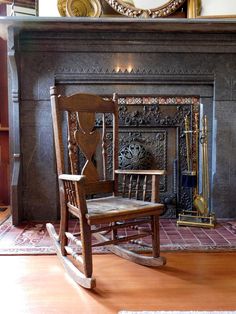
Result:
[{"x": 223, "y": 235}]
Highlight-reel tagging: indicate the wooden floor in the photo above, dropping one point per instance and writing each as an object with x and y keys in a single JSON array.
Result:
[
  {"x": 190, "y": 281},
  {"x": 5, "y": 212}
]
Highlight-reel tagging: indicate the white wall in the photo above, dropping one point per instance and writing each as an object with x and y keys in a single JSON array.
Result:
[
  {"x": 48, "y": 8},
  {"x": 209, "y": 7},
  {"x": 218, "y": 7}
]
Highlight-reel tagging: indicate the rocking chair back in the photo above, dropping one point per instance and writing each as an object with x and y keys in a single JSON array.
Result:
[{"x": 79, "y": 113}]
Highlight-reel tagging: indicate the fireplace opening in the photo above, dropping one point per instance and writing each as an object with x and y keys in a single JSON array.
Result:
[{"x": 151, "y": 136}]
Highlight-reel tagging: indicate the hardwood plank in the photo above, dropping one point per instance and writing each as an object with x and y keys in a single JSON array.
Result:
[
  {"x": 5, "y": 212},
  {"x": 189, "y": 281}
]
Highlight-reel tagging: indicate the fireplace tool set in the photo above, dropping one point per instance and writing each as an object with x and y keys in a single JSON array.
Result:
[{"x": 200, "y": 215}]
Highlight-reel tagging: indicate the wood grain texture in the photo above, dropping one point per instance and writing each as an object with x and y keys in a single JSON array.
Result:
[
  {"x": 80, "y": 101},
  {"x": 190, "y": 281},
  {"x": 79, "y": 277},
  {"x": 5, "y": 213},
  {"x": 118, "y": 208}
]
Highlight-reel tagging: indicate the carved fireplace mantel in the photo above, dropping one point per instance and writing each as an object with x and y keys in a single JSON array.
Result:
[
  {"x": 170, "y": 57},
  {"x": 121, "y": 24}
]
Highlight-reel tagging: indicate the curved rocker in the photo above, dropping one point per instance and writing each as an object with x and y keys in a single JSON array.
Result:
[
  {"x": 78, "y": 276},
  {"x": 132, "y": 256}
]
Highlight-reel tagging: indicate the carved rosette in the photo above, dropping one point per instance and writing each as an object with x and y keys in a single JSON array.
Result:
[
  {"x": 165, "y": 10},
  {"x": 134, "y": 156}
]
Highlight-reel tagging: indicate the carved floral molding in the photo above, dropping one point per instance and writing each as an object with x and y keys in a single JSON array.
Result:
[{"x": 165, "y": 10}]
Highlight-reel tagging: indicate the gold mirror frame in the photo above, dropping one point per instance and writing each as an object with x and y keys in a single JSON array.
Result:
[{"x": 158, "y": 12}]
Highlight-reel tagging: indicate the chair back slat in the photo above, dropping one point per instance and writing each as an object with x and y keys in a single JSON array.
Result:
[
  {"x": 87, "y": 138},
  {"x": 79, "y": 103},
  {"x": 97, "y": 187},
  {"x": 87, "y": 126}
]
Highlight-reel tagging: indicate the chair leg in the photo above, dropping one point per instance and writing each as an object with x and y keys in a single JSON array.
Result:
[
  {"x": 155, "y": 236},
  {"x": 73, "y": 271},
  {"x": 86, "y": 241},
  {"x": 64, "y": 224},
  {"x": 114, "y": 233}
]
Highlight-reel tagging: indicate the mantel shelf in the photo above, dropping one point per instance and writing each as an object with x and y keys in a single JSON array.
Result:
[{"x": 122, "y": 24}]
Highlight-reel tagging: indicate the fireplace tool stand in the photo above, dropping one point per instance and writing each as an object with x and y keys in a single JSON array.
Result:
[{"x": 200, "y": 216}]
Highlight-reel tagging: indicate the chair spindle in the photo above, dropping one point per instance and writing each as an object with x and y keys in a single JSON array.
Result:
[
  {"x": 144, "y": 187},
  {"x": 137, "y": 187},
  {"x": 104, "y": 147},
  {"x": 130, "y": 186}
]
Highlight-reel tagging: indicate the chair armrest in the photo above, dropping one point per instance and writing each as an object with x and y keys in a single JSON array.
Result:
[
  {"x": 155, "y": 175},
  {"x": 74, "y": 189},
  {"x": 72, "y": 177},
  {"x": 141, "y": 172}
]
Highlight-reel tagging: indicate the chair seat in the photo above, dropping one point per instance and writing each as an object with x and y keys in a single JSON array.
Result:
[{"x": 110, "y": 209}]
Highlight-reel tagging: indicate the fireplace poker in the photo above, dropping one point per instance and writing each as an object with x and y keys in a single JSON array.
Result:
[{"x": 189, "y": 176}]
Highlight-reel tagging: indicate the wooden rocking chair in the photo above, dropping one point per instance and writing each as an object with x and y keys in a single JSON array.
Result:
[{"x": 90, "y": 121}]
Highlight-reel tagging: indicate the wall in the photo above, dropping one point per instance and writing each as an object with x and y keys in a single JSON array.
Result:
[{"x": 214, "y": 7}]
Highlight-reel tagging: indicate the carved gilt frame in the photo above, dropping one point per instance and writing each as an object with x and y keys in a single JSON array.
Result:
[{"x": 162, "y": 11}]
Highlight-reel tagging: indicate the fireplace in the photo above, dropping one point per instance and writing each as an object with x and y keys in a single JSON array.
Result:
[
  {"x": 160, "y": 70},
  {"x": 152, "y": 137}
]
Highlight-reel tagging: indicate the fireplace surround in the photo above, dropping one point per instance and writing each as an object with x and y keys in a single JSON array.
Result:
[{"x": 134, "y": 57}]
